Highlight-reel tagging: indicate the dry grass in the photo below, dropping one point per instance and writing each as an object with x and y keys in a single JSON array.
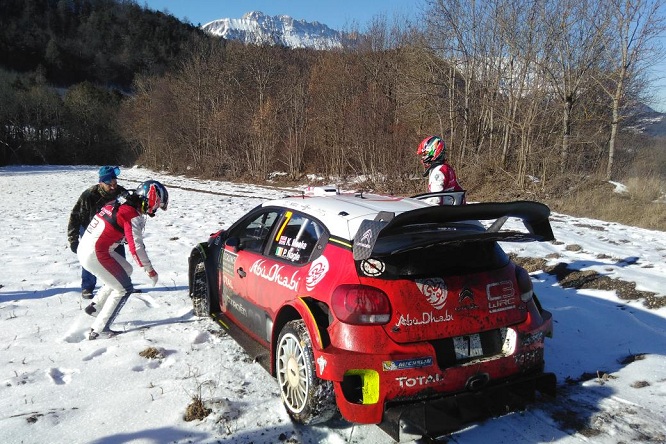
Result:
[
  {"x": 570, "y": 278},
  {"x": 646, "y": 189},
  {"x": 196, "y": 410},
  {"x": 637, "y": 207},
  {"x": 152, "y": 353},
  {"x": 643, "y": 205}
]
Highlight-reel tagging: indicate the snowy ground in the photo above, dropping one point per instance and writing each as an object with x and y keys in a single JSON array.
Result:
[{"x": 609, "y": 354}]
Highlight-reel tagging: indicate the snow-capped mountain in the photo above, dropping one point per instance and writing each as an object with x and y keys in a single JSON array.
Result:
[
  {"x": 646, "y": 120},
  {"x": 260, "y": 29}
]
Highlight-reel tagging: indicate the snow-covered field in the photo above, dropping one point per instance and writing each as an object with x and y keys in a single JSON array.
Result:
[{"x": 58, "y": 387}]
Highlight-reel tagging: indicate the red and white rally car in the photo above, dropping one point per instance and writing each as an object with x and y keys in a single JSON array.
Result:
[{"x": 388, "y": 310}]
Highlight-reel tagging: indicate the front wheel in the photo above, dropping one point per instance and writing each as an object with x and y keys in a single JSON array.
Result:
[
  {"x": 199, "y": 292},
  {"x": 308, "y": 399}
]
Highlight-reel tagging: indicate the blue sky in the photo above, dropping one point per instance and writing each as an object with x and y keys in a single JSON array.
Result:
[{"x": 336, "y": 14}]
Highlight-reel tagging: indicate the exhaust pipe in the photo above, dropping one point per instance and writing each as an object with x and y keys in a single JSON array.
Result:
[{"x": 477, "y": 382}]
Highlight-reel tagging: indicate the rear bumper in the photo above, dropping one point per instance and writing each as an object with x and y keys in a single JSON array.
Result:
[
  {"x": 367, "y": 384},
  {"x": 440, "y": 416}
]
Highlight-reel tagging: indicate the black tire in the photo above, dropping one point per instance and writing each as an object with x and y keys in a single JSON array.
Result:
[
  {"x": 308, "y": 399},
  {"x": 200, "y": 294}
]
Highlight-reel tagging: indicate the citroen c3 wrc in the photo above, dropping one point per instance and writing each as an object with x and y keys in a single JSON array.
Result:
[{"x": 385, "y": 310}]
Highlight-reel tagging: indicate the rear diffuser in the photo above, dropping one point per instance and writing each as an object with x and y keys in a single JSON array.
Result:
[{"x": 441, "y": 416}]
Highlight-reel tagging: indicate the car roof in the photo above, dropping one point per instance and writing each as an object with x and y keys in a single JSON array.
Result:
[{"x": 342, "y": 213}]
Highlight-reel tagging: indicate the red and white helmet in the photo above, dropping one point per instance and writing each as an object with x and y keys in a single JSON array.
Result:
[
  {"x": 153, "y": 195},
  {"x": 431, "y": 149}
]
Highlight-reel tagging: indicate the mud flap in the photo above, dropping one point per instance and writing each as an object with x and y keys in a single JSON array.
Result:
[{"x": 441, "y": 416}]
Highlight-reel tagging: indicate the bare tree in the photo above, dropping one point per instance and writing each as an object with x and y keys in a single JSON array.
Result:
[
  {"x": 456, "y": 30},
  {"x": 294, "y": 99},
  {"x": 575, "y": 37},
  {"x": 634, "y": 26}
]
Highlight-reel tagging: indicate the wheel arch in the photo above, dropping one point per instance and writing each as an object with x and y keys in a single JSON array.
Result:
[{"x": 315, "y": 316}]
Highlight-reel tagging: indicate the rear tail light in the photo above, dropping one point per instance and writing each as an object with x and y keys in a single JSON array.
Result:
[
  {"x": 524, "y": 284},
  {"x": 360, "y": 304},
  {"x": 527, "y": 293}
]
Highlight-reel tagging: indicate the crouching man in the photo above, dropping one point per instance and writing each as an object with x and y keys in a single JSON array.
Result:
[{"x": 121, "y": 220}]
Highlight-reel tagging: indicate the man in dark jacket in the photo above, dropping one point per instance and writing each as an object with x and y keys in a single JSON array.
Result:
[{"x": 90, "y": 203}]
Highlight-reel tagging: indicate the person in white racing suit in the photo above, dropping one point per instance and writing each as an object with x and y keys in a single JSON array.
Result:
[
  {"x": 89, "y": 203},
  {"x": 441, "y": 175},
  {"x": 122, "y": 220}
]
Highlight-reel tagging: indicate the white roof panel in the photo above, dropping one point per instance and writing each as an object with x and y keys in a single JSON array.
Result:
[{"x": 343, "y": 213}]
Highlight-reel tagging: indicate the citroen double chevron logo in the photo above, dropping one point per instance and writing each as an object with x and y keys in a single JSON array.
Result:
[
  {"x": 466, "y": 300},
  {"x": 466, "y": 296}
]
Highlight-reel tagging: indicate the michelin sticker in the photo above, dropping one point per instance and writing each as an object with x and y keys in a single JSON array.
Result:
[{"x": 388, "y": 366}]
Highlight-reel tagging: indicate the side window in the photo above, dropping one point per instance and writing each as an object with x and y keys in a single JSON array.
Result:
[
  {"x": 253, "y": 233},
  {"x": 296, "y": 238}
]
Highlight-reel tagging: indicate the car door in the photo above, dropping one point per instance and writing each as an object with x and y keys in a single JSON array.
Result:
[
  {"x": 245, "y": 245},
  {"x": 284, "y": 271}
]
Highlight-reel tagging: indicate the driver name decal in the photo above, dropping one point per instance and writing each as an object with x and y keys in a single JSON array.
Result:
[
  {"x": 435, "y": 291},
  {"x": 274, "y": 274},
  {"x": 228, "y": 261},
  {"x": 318, "y": 270}
]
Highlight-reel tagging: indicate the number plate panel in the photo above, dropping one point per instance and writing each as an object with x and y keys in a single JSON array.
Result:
[{"x": 468, "y": 346}]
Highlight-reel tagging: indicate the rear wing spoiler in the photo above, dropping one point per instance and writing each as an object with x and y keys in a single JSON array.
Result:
[
  {"x": 444, "y": 197},
  {"x": 373, "y": 238}
]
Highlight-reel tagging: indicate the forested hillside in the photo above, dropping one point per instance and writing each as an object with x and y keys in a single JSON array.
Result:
[
  {"x": 105, "y": 42},
  {"x": 533, "y": 99},
  {"x": 65, "y": 67}
]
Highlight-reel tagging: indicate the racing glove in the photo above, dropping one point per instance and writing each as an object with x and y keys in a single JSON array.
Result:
[
  {"x": 152, "y": 274},
  {"x": 74, "y": 246}
]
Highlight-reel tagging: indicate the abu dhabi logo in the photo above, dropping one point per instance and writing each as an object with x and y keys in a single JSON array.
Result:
[
  {"x": 435, "y": 291},
  {"x": 318, "y": 270}
]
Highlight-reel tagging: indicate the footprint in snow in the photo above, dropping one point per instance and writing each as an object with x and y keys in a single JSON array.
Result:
[
  {"x": 200, "y": 337},
  {"x": 96, "y": 353},
  {"x": 628, "y": 261},
  {"x": 146, "y": 299},
  {"x": 61, "y": 376},
  {"x": 76, "y": 335},
  {"x": 185, "y": 313}
]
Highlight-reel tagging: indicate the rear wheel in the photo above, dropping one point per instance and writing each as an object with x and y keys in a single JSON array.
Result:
[
  {"x": 308, "y": 399},
  {"x": 200, "y": 294}
]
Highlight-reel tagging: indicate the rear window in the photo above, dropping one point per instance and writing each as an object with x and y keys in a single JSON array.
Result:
[{"x": 444, "y": 260}]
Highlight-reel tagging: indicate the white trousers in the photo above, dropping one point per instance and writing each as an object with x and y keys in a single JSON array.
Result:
[{"x": 114, "y": 270}]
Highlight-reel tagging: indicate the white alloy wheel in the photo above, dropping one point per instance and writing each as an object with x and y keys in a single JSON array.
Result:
[{"x": 308, "y": 399}]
